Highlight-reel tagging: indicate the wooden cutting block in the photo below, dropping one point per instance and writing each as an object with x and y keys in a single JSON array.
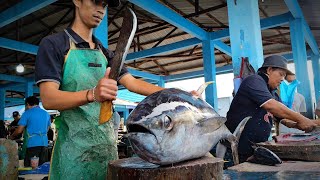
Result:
[
  {"x": 205, "y": 168},
  {"x": 306, "y": 151}
]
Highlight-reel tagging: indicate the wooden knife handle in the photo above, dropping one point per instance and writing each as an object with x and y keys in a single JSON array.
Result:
[{"x": 105, "y": 112}]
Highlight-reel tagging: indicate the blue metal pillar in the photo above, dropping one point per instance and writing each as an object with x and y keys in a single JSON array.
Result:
[
  {"x": 245, "y": 33},
  {"x": 29, "y": 89},
  {"x": 300, "y": 61},
  {"x": 101, "y": 32},
  {"x": 161, "y": 82},
  {"x": 125, "y": 114},
  {"x": 209, "y": 64},
  {"x": 2, "y": 103},
  {"x": 316, "y": 75}
]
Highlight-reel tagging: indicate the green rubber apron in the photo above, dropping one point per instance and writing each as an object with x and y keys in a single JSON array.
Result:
[{"x": 83, "y": 147}]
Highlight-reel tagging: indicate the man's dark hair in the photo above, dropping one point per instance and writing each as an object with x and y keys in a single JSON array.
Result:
[
  {"x": 32, "y": 100},
  {"x": 264, "y": 69}
]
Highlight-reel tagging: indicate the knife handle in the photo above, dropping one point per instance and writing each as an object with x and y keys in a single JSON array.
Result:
[{"x": 105, "y": 112}]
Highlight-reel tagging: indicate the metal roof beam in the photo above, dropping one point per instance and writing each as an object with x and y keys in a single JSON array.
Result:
[
  {"x": 22, "y": 88},
  {"x": 197, "y": 74},
  {"x": 223, "y": 47},
  {"x": 22, "y": 9},
  {"x": 171, "y": 17},
  {"x": 217, "y": 35},
  {"x": 296, "y": 12},
  {"x": 18, "y": 46},
  {"x": 163, "y": 49},
  {"x": 265, "y": 23},
  {"x": 144, "y": 75},
  {"x": 19, "y": 79}
]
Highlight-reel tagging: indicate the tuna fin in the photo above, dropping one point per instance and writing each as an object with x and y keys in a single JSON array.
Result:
[
  {"x": 233, "y": 139},
  {"x": 240, "y": 127},
  {"x": 237, "y": 134},
  {"x": 203, "y": 87},
  {"x": 209, "y": 125}
]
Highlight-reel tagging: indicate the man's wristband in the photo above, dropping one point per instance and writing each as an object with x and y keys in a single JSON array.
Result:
[{"x": 93, "y": 94}]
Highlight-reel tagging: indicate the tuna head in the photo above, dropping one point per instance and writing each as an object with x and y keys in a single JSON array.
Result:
[{"x": 171, "y": 125}]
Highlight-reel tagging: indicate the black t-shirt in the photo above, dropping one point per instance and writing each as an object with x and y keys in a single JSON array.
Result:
[
  {"x": 52, "y": 52},
  {"x": 13, "y": 126},
  {"x": 252, "y": 94},
  {"x": 3, "y": 130}
]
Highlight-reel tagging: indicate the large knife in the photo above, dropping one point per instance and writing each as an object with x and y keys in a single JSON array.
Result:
[{"x": 128, "y": 29}]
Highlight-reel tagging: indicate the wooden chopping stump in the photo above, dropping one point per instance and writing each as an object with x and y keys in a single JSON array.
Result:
[
  {"x": 205, "y": 168},
  {"x": 9, "y": 160}
]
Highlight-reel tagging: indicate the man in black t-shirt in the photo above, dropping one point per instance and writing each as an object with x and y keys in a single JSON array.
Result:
[
  {"x": 257, "y": 98},
  {"x": 14, "y": 124}
]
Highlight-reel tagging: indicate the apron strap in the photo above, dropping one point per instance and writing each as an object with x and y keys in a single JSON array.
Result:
[
  {"x": 73, "y": 42},
  {"x": 37, "y": 134}
]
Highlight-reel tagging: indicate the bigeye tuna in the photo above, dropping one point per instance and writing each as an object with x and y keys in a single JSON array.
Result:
[{"x": 172, "y": 125}]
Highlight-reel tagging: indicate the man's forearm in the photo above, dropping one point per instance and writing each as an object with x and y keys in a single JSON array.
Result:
[{"x": 281, "y": 111}]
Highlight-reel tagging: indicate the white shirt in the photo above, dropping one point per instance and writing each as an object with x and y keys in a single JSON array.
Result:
[{"x": 299, "y": 103}]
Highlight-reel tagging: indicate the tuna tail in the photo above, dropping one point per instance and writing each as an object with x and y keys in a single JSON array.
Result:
[
  {"x": 203, "y": 87},
  {"x": 233, "y": 139},
  {"x": 262, "y": 155}
]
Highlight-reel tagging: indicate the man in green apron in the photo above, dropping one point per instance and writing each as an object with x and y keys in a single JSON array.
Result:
[{"x": 72, "y": 74}]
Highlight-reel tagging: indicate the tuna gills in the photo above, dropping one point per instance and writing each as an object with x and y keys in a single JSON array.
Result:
[{"x": 172, "y": 125}]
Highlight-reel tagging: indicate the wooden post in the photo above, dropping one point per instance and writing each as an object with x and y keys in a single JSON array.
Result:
[{"x": 205, "y": 168}]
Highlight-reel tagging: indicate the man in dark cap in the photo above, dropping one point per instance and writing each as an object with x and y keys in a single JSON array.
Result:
[
  {"x": 14, "y": 124},
  {"x": 257, "y": 98}
]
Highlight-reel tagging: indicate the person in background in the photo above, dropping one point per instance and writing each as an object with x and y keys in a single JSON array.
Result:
[
  {"x": 289, "y": 95},
  {"x": 50, "y": 133},
  {"x": 116, "y": 123},
  {"x": 318, "y": 109},
  {"x": 14, "y": 124},
  {"x": 257, "y": 98},
  {"x": 292, "y": 99},
  {"x": 3, "y": 130},
  {"x": 36, "y": 122}
]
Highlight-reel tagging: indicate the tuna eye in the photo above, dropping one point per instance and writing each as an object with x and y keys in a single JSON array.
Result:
[{"x": 167, "y": 121}]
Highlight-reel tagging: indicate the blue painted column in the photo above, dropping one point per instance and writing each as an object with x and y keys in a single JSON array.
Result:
[
  {"x": 316, "y": 75},
  {"x": 125, "y": 114},
  {"x": 161, "y": 82},
  {"x": 210, "y": 72},
  {"x": 2, "y": 103},
  {"x": 29, "y": 88},
  {"x": 101, "y": 32},
  {"x": 245, "y": 33},
  {"x": 300, "y": 61}
]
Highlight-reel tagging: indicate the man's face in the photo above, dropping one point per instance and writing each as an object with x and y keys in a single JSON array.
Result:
[
  {"x": 290, "y": 78},
  {"x": 16, "y": 118},
  {"x": 276, "y": 76},
  {"x": 90, "y": 13}
]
